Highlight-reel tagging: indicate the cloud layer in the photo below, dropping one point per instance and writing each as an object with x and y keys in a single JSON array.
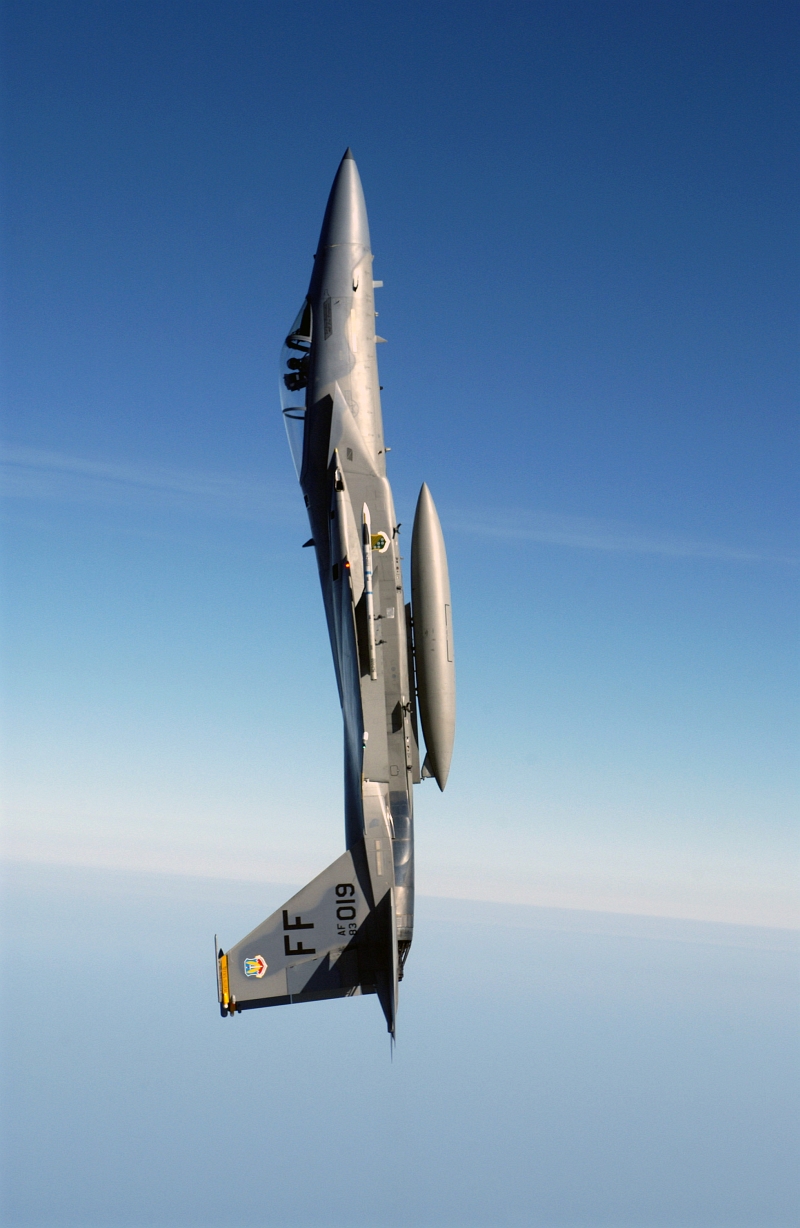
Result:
[
  {"x": 33, "y": 473},
  {"x": 588, "y": 533}
]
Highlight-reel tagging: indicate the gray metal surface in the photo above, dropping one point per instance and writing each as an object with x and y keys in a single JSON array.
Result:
[
  {"x": 330, "y": 396},
  {"x": 433, "y": 638}
]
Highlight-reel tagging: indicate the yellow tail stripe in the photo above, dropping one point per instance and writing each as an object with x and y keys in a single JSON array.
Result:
[{"x": 223, "y": 978}]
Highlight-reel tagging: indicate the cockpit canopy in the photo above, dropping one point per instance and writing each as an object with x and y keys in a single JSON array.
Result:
[{"x": 295, "y": 357}]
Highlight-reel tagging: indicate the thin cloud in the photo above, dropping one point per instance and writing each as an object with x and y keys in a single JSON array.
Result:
[
  {"x": 585, "y": 533},
  {"x": 31, "y": 473},
  {"x": 36, "y": 474}
]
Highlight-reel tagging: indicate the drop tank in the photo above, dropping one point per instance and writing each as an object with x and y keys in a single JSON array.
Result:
[{"x": 433, "y": 638}]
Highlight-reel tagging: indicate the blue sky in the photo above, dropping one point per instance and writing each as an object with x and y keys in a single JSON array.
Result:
[{"x": 585, "y": 217}]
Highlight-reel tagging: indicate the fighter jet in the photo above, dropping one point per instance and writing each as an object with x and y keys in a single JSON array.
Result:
[{"x": 349, "y": 930}]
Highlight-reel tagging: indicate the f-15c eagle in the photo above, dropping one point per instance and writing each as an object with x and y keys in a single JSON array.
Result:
[{"x": 349, "y": 931}]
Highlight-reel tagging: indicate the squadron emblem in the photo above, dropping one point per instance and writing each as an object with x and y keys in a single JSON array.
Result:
[{"x": 256, "y": 966}]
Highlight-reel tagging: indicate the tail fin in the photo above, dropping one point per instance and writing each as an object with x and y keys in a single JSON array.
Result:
[{"x": 335, "y": 938}]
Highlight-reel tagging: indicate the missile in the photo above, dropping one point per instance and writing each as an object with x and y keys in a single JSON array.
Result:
[{"x": 368, "y": 593}]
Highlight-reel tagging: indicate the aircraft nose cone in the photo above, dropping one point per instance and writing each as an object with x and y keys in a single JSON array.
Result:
[{"x": 345, "y": 218}]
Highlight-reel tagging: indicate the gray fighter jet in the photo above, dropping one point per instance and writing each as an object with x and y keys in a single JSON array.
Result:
[{"x": 349, "y": 931}]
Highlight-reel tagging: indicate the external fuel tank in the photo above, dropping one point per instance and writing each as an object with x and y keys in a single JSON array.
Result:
[{"x": 433, "y": 638}]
